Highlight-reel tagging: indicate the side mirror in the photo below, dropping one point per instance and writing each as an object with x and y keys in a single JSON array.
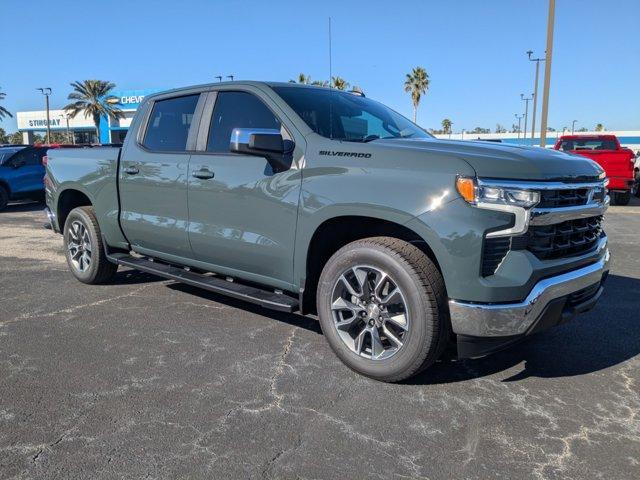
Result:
[{"x": 263, "y": 142}]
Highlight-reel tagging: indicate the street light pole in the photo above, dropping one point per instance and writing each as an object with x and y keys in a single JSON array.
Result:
[
  {"x": 46, "y": 91},
  {"x": 547, "y": 73},
  {"x": 526, "y": 111},
  {"x": 535, "y": 92},
  {"x": 519, "y": 117},
  {"x": 231, "y": 77},
  {"x": 573, "y": 126}
]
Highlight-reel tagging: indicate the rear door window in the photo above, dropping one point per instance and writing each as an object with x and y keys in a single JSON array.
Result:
[
  {"x": 237, "y": 110},
  {"x": 169, "y": 123}
]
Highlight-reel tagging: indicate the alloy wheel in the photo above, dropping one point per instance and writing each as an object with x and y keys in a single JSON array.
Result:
[
  {"x": 370, "y": 313},
  {"x": 79, "y": 246}
]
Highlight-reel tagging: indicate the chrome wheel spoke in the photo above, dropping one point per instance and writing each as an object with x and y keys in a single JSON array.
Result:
[
  {"x": 399, "y": 320},
  {"x": 391, "y": 336},
  {"x": 376, "y": 344},
  {"x": 358, "y": 342}
]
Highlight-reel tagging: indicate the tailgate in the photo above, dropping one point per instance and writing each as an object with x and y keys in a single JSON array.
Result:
[{"x": 616, "y": 164}]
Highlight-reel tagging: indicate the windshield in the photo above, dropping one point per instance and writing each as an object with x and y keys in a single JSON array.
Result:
[
  {"x": 347, "y": 116},
  {"x": 6, "y": 153},
  {"x": 588, "y": 144}
]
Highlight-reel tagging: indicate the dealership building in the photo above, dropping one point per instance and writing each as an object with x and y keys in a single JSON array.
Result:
[{"x": 81, "y": 129}]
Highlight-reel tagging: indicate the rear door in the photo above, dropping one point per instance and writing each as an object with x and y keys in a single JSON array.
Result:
[
  {"x": 153, "y": 177},
  {"x": 26, "y": 171},
  {"x": 242, "y": 220}
]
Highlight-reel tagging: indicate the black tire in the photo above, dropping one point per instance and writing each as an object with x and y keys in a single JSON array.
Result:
[
  {"x": 99, "y": 270},
  {"x": 424, "y": 294},
  {"x": 636, "y": 188},
  {"x": 622, "y": 198},
  {"x": 4, "y": 198}
]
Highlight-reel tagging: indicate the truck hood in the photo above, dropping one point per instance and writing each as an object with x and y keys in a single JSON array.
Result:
[{"x": 504, "y": 161}]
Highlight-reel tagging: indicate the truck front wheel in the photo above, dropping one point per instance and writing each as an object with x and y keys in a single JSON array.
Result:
[
  {"x": 84, "y": 249},
  {"x": 383, "y": 309}
]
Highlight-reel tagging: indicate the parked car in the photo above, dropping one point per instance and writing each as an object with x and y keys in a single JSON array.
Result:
[
  {"x": 21, "y": 173},
  {"x": 307, "y": 199},
  {"x": 606, "y": 150}
]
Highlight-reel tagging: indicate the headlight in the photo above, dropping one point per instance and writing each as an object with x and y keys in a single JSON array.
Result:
[{"x": 479, "y": 194}]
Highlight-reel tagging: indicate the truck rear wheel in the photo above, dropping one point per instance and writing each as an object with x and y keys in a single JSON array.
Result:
[
  {"x": 382, "y": 307},
  {"x": 622, "y": 198},
  {"x": 84, "y": 249}
]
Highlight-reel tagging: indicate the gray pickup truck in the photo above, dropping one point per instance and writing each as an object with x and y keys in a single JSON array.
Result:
[{"x": 307, "y": 199}]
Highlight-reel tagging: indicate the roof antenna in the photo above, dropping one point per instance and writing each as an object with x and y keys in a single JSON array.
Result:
[{"x": 330, "y": 87}]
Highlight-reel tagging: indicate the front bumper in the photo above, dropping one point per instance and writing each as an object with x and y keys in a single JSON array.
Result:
[{"x": 550, "y": 302}]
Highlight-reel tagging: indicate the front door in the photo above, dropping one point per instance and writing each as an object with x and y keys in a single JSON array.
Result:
[
  {"x": 242, "y": 220},
  {"x": 153, "y": 180}
]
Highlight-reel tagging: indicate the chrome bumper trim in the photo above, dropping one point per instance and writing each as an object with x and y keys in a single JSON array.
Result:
[
  {"x": 498, "y": 320},
  {"x": 551, "y": 216}
]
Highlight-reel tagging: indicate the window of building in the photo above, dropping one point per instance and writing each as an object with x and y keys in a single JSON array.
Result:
[{"x": 168, "y": 126}]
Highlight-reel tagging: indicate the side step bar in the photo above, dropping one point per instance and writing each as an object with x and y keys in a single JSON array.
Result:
[{"x": 264, "y": 298}]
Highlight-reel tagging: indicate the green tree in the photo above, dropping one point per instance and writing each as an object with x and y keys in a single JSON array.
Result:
[
  {"x": 339, "y": 83},
  {"x": 515, "y": 128},
  {"x": 500, "y": 128},
  {"x": 480, "y": 130},
  {"x": 15, "y": 138},
  {"x": 446, "y": 125},
  {"x": 3, "y": 111},
  {"x": 417, "y": 84},
  {"x": 302, "y": 78},
  {"x": 599, "y": 127},
  {"x": 582, "y": 129},
  {"x": 94, "y": 99},
  {"x": 4, "y": 138}
]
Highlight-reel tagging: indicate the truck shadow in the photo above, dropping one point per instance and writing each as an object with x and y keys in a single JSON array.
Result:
[
  {"x": 604, "y": 337},
  {"x": 293, "y": 319}
]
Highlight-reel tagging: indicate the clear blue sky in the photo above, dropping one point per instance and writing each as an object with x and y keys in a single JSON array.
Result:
[{"x": 474, "y": 51}]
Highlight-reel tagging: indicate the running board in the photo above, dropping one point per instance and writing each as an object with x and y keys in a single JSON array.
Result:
[{"x": 265, "y": 298}]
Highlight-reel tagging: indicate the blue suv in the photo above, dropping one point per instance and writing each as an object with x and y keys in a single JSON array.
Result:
[{"x": 21, "y": 173}]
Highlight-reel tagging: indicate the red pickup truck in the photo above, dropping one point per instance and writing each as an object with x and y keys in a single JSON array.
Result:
[{"x": 616, "y": 160}]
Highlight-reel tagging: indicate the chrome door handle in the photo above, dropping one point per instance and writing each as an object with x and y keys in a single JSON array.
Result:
[
  {"x": 132, "y": 170},
  {"x": 203, "y": 174}
]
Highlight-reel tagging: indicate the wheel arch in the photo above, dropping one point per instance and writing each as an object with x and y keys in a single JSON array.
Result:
[
  {"x": 333, "y": 233},
  {"x": 69, "y": 199}
]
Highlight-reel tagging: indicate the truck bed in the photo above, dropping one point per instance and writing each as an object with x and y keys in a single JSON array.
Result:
[{"x": 93, "y": 171}]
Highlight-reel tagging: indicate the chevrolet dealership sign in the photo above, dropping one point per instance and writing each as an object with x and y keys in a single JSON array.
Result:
[{"x": 57, "y": 120}]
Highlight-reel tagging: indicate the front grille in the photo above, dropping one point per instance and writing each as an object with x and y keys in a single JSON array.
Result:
[
  {"x": 494, "y": 251},
  {"x": 563, "y": 197},
  {"x": 565, "y": 239},
  {"x": 583, "y": 295}
]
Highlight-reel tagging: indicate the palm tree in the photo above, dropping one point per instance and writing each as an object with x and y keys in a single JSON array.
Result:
[
  {"x": 94, "y": 99},
  {"x": 3, "y": 111},
  {"x": 417, "y": 83},
  {"x": 446, "y": 125},
  {"x": 339, "y": 83},
  {"x": 599, "y": 127},
  {"x": 320, "y": 83},
  {"x": 302, "y": 78}
]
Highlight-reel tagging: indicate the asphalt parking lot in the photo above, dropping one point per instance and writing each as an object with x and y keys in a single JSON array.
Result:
[{"x": 147, "y": 378}]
